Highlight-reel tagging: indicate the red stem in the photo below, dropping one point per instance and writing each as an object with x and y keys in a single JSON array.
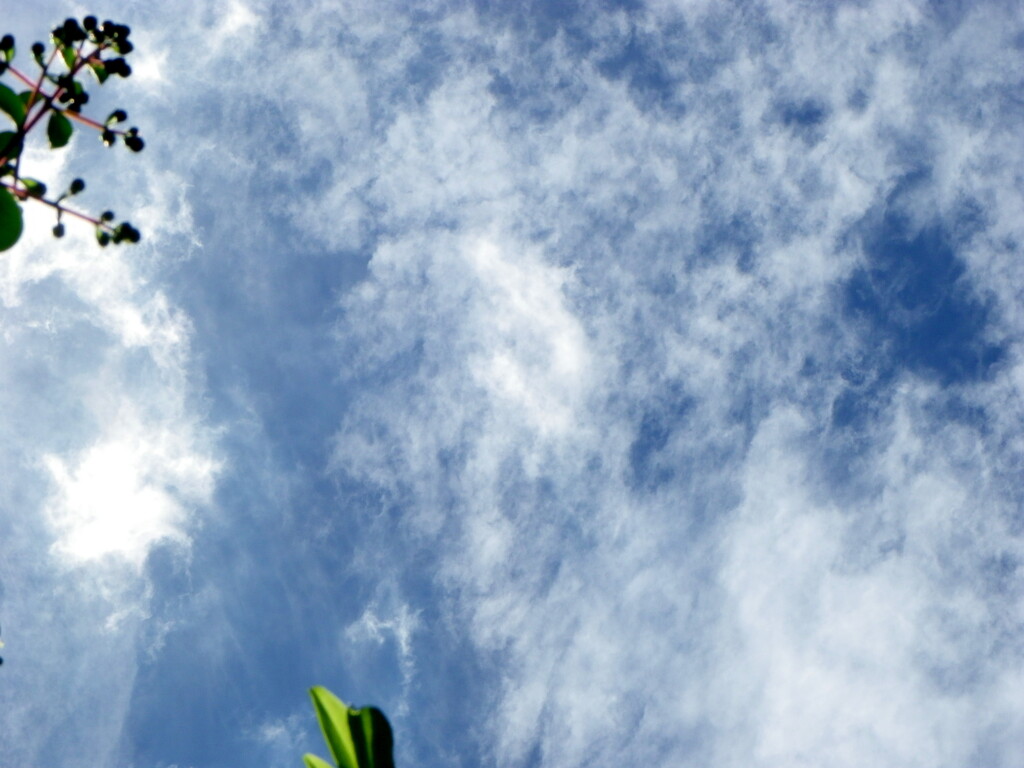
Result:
[
  {"x": 38, "y": 86},
  {"x": 20, "y": 76},
  {"x": 76, "y": 116},
  {"x": 22, "y": 194}
]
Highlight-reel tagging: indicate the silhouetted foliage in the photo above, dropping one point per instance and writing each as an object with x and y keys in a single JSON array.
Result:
[{"x": 57, "y": 94}]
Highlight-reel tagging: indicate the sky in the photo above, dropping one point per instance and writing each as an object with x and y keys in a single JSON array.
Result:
[{"x": 624, "y": 382}]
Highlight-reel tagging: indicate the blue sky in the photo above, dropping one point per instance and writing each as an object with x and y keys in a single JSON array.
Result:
[{"x": 585, "y": 384}]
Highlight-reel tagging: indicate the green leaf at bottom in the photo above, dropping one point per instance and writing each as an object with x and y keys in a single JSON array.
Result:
[
  {"x": 312, "y": 761},
  {"x": 357, "y": 738}
]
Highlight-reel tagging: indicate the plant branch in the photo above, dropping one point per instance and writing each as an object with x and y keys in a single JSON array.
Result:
[
  {"x": 78, "y": 117},
  {"x": 22, "y": 194},
  {"x": 78, "y": 49},
  {"x": 38, "y": 86}
]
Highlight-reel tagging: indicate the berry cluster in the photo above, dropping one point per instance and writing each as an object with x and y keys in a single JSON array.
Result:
[{"x": 89, "y": 45}]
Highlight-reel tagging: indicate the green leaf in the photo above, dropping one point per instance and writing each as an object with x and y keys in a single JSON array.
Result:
[
  {"x": 34, "y": 187},
  {"x": 11, "y": 222},
  {"x": 357, "y": 738},
  {"x": 69, "y": 55},
  {"x": 312, "y": 761},
  {"x": 99, "y": 70},
  {"x": 333, "y": 715},
  {"x": 379, "y": 742},
  {"x": 12, "y": 105},
  {"x": 58, "y": 130}
]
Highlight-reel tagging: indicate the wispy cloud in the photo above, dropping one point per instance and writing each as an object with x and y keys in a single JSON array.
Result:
[{"x": 664, "y": 560}]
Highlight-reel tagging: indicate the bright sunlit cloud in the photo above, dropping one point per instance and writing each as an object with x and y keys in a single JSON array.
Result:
[{"x": 131, "y": 490}]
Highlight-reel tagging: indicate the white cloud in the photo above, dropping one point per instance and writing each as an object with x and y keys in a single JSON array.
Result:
[
  {"x": 388, "y": 620},
  {"x": 532, "y": 349},
  {"x": 134, "y": 488},
  {"x": 776, "y": 621},
  {"x": 832, "y": 657},
  {"x": 285, "y": 737}
]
